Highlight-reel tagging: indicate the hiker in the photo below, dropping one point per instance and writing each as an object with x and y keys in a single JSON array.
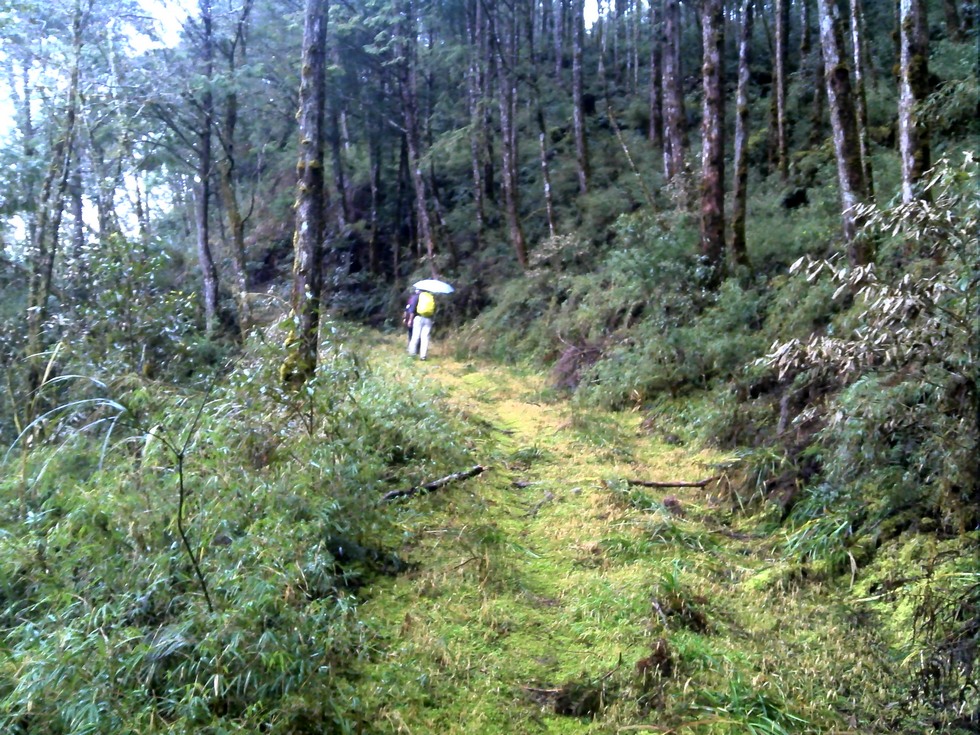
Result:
[
  {"x": 425, "y": 309},
  {"x": 409, "y": 314}
]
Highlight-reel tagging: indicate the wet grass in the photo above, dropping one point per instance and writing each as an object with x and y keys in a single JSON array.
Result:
[{"x": 545, "y": 597}]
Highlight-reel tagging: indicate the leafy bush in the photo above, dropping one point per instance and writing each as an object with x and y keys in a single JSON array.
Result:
[
  {"x": 200, "y": 571},
  {"x": 897, "y": 423},
  {"x": 905, "y": 354}
]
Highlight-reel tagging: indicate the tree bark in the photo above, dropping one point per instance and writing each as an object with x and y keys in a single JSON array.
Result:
[
  {"x": 374, "y": 218},
  {"x": 740, "y": 197},
  {"x": 782, "y": 85},
  {"x": 843, "y": 120},
  {"x": 549, "y": 203},
  {"x": 561, "y": 23},
  {"x": 954, "y": 27},
  {"x": 713, "y": 138},
  {"x": 475, "y": 84},
  {"x": 675, "y": 143},
  {"x": 805, "y": 31},
  {"x": 656, "y": 130},
  {"x": 205, "y": 259},
  {"x": 343, "y": 214},
  {"x": 45, "y": 232},
  {"x": 300, "y": 363},
  {"x": 817, "y": 109},
  {"x": 506, "y": 45},
  {"x": 913, "y": 135},
  {"x": 410, "y": 108},
  {"x": 578, "y": 92},
  {"x": 228, "y": 174},
  {"x": 857, "y": 51}
]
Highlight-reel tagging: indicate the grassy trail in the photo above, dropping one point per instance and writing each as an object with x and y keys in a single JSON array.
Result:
[{"x": 539, "y": 585}]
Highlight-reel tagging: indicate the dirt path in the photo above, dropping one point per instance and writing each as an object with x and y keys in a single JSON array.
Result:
[{"x": 531, "y": 599}]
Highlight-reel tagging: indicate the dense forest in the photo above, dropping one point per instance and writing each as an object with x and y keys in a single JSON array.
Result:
[{"x": 752, "y": 224}]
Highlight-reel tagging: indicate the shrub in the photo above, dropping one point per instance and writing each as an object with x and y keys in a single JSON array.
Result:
[{"x": 199, "y": 572}]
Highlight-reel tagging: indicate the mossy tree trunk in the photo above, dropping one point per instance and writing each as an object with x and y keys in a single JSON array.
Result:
[
  {"x": 740, "y": 195},
  {"x": 300, "y": 362},
  {"x": 913, "y": 136},
  {"x": 843, "y": 121},
  {"x": 713, "y": 137}
]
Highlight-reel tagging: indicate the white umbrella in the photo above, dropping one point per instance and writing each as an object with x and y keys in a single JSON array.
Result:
[{"x": 433, "y": 286}]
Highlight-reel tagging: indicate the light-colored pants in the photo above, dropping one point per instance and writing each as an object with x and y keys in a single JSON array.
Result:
[{"x": 421, "y": 326}]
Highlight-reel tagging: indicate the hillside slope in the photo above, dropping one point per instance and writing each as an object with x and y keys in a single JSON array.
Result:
[{"x": 550, "y": 595}]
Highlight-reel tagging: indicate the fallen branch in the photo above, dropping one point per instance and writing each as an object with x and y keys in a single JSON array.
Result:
[
  {"x": 430, "y": 486},
  {"x": 650, "y": 483}
]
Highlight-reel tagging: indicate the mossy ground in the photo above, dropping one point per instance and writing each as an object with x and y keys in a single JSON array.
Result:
[{"x": 540, "y": 588}]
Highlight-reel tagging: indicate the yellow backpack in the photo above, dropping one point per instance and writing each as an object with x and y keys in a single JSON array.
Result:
[{"x": 426, "y": 305}]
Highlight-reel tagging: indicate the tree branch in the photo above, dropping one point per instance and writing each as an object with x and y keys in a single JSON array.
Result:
[
  {"x": 650, "y": 483},
  {"x": 434, "y": 485}
]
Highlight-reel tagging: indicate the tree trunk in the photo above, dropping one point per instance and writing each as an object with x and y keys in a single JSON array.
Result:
[
  {"x": 343, "y": 207},
  {"x": 228, "y": 175},
  {"x": 543, "y": 150},
  {"x": 474, "y": 88},
  {"x": 781, "y": 85},
  {"x": 374, "y": 218},
  {"x": 843, "y": 120},
  {"x": 78, "y": 275},
  {"x": 819, "y": 100},
  {"x": 913, "y": 135},
  {"x": 805, "y": 32},
  {"x": 740, "y": 198},
  {"x": 209, "y": 273},
  {"x": 561, "y": 22},
  {"x": 506, "y": 45},
  {"x": 954, "y": 28},
  {"x": 410, "y": 109},
  {"x": 674, "y": 141},
  {"x": 300, "y": 362},
  {"x": 713, "y": 138},
  {"x": 578, "y": 92},
  {"x": 857, "y": 51},
  {"x": 48, "y": 223},
  {"x": 656, "y": 130}
]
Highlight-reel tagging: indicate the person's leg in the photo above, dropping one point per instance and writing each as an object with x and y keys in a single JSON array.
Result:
[
  {"x": 413, "y": 343},
  {"x": 426, "y": 329}
]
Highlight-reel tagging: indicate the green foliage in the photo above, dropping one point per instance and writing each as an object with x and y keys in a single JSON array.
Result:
[
  {"x": 278, "y": 494},
  {"x": 751, "y": 710},
  {"x": 904, "y": 424}
]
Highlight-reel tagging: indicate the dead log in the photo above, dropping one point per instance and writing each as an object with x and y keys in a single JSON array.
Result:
[
  {"x": 430, "y": 486},
  {"x": 650, "y": 483}
]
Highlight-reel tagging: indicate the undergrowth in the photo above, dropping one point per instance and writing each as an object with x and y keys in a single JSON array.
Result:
[{"x": 198, "y": 567}]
